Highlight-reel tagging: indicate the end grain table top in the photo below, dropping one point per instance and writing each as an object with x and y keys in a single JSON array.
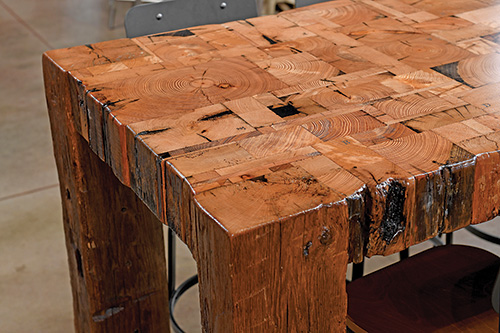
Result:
[{"x": 387, "y": 110}]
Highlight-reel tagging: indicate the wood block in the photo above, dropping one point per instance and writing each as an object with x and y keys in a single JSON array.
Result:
[
  {"x": 362, "y": 162},
  {"x": 422, "y": 153},
  {"x": 298, "y": 68},
  {"x": 347, "y": 124}
]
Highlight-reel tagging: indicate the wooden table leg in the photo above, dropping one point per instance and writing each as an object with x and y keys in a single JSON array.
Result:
[
  {"x": 285, "y": 276},
  {"x": 115, "y": 244}
]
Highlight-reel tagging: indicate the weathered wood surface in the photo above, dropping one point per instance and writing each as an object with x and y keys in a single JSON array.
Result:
[
  {"x": 281, "y": 147},
  {"x": 115, "y": 244}
]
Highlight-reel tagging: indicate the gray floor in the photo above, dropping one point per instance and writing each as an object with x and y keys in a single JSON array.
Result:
[
  {"x": 35, "y": 293},
  {"x": 34, "y": 282}
]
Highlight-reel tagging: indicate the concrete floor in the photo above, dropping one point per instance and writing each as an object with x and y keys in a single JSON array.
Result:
[{"x": 35, "y": 291}]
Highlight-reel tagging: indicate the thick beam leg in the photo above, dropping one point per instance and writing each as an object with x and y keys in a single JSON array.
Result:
[
  {"x": 115, "y": 244},
  {"x": 287, "y": 276}
]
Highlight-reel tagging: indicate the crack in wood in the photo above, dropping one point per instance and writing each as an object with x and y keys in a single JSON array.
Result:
[
  {"x": 150, "y": 132},
  {"x": 270, "y": 40},
  {"x": 204, "y": 137},
  {"x": 179, "y": 33},
  {"x": 216, "y": 116},
  {"x": 94, "y": 50},
  {"x": 108, "y": 313}
]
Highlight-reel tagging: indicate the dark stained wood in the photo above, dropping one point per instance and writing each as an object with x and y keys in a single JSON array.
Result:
[
  {"x": 233, "y": 133},
  {"x": 114, "y": 242},
  {"x": 445, "y": 289}
]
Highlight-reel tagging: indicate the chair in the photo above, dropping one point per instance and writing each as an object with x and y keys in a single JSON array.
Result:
[
  {"x": 446, "y": 289},
  {"x": 303, "y": 3},
  {"x": 178, "y": 14},
  {"x": 112, "y": 9},
  {"x": 169, "y": 15}
]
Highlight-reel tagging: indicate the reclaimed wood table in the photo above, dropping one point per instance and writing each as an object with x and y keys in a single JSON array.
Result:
[{"x": 279, "y": 149}]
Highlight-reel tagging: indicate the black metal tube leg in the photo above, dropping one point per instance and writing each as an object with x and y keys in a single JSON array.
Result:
[
  {"x": 171, "y": 262},
  {"x": 449, "y": 238},
  {"x": 404, "y": 254},
  {"x": 358, "y": 270},
  {"x": 173, "y": 293},
  {"x": 483, "y": 235}
]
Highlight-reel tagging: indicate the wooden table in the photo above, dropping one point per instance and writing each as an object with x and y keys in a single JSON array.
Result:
[{"x": 279, "y": 149}]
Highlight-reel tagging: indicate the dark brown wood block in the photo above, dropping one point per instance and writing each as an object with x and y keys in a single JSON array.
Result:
[{"x": 114, "y": 242}]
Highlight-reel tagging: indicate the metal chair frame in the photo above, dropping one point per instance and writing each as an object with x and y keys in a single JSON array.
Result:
[
  {"x": 112, "y": 9},
  {"x": 171, "y": 15},
  {"x": 483, "y": 235},
  {"x": 175, "y": 293},
  {"x": 359, "y": 268},
  {"x": 303, "y": 3}
]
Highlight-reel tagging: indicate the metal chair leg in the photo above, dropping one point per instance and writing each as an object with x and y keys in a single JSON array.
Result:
[
  {"x": 358, "y": 270},
  {"x": 404, "y": 254},
  {"x": 449, "y": 238},
  {"x": 171, "y": 262},
  {"x": 483, "y": 235},
  {"x": 175, "y": 294},
  {"x": 192, "y": 281},
  {"x": 437, "y": 241}
]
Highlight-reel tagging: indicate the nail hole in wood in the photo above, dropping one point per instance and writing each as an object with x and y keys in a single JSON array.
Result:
[{"x": 79, "y": 265}]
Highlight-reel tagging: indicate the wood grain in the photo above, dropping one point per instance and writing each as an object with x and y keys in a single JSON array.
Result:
[
  {"x": 384, "y": 114},
  {"x": 114, "y": 242}
]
